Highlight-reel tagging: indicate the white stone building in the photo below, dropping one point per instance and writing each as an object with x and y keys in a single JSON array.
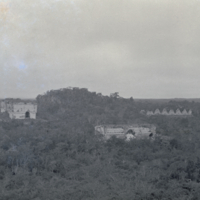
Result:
[
  {"x": 135, "y": 131},
  {"x": 19, "y": 110}
]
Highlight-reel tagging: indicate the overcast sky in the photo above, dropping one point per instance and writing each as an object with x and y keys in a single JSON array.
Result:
[{"x": 139, "y": 48}]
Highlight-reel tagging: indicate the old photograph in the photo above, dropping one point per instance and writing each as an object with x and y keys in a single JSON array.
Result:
[{"x": 99, "y": 100}]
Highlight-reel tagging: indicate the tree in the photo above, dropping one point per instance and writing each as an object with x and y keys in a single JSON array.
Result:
[{"x": 114, "y": 95}]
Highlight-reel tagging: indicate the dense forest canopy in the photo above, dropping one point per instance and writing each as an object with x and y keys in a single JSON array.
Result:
[{"x": 58, "y": 156}]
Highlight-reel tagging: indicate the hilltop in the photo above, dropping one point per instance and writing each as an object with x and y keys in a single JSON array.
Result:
[{"x": 75, "y": 103}]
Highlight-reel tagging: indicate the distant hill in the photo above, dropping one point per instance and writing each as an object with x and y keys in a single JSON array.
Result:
[
  {"x": 189, "y": 100},
  {"x": 167, "y": 100},
  {"x": 153, "y": 100},
  {"x": 79, "y": 104}
]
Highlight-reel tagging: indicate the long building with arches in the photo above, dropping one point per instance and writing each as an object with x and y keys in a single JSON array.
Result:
[
  {"x": 133, "y": 131},
  {"x": 169, "y": 112}
]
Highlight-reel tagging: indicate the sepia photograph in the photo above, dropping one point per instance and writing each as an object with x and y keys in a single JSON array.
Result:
[{"x": 99, "y": 100}]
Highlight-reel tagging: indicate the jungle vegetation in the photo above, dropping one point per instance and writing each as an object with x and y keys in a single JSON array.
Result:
[{"x": 58, "y": 156}]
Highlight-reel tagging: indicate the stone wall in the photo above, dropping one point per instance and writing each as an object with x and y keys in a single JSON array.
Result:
[{"x": 135, "y": 131}]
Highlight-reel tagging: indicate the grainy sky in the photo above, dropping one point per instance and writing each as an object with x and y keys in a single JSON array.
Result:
[{"x": 139, "y": 48}]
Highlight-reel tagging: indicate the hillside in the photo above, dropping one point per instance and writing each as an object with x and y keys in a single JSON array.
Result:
[{"x": 74, "y": 104}]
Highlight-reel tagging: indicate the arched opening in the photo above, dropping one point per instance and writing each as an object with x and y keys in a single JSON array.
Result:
[
  {"x": 27, "y": 114},
  {"x": 130, "y": 131},
  {"x": 151, "y": 135}
]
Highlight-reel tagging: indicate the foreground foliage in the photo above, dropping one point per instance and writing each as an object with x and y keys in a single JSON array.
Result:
[{"x": 46, "y": 161}]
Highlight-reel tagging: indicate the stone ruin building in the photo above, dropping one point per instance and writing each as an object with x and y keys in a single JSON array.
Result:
[
  {"x": 127, "y": 132},
  {"x": 168, "y": 112},
  {"x": 19, "y": 109}
]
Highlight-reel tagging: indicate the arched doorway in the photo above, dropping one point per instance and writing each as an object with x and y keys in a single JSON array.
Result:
[
  {"x": 27, "y": 114},
  {"x": 130, "y": 131},
  {"x": 151, "y": 135}
]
